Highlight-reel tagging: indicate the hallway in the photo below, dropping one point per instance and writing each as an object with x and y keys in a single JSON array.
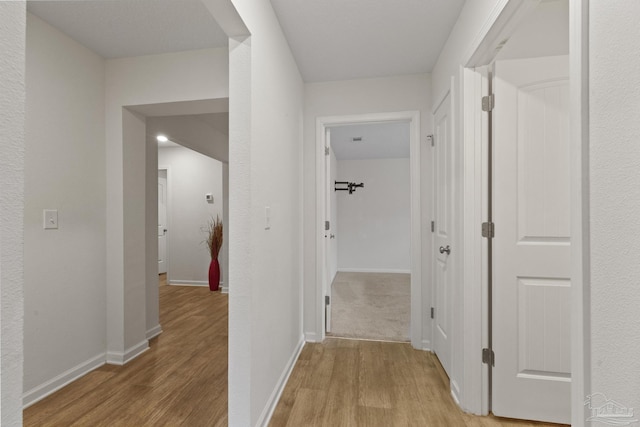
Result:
[
  {"x": 180, "y": 380},
  {"x": 372, "y": 384}
]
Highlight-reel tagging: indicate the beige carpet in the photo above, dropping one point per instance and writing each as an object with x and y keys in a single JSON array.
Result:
[{"x": 371, "y": 306}]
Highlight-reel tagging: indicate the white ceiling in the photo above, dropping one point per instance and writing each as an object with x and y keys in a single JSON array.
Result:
[
  {"x": 379, "y": 141},
  {"x": 123, "y": 28},
  {"x": 330, "y": 39},
  {"x": 350, "y": 39}
]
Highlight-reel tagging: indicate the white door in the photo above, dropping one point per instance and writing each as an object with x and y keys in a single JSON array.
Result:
[
  {"x": 443, "y": 159},
  {"x": 162, "y": 222},
  {"x": 531, "y": 248},
  {"x": 333, "y": 216},
  {"x": 329, "y": 229}
]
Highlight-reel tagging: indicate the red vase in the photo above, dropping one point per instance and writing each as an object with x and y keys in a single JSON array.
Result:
[{"x": 214, "y": 275}]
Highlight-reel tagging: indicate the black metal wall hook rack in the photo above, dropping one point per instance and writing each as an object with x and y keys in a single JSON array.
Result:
[{"x": 350, "y": 186}]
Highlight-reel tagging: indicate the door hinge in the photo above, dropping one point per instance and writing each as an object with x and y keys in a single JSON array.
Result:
[
  {"x": 326, "y": 151},
  {"x": 327, "y": 300},
  {"x": 488, "y": 102},
  {"x": 433, "y": 313},
  {"x": 488, "y": 357},
  {"x": 488, "y": 230},
  {"x": 431, "y": 140},
  {"x": 433, "y": 226}
]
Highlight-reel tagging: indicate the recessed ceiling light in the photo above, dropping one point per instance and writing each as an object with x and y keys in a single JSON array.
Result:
[{"x": 162, "y": 138}]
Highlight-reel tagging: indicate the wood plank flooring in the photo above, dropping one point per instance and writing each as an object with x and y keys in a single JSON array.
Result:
[
  {"x": 180, "y": 381},
  {"x": 367, "y": 383}
]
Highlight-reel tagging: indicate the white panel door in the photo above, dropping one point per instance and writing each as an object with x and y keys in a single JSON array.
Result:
[
  {"x": 531, "y": 248},
  {"x": 443, "y": 158},
  {"x": 328, "y": 278},
  {"x": 162, "y": 225}
]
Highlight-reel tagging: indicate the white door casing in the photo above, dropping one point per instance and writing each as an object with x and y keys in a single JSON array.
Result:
[
  {"x": 443, "y": 204},
  {"x": 417, "y": 305},
  {"x": 162, "y": 224},
  {"x": 531, "y": 248}
]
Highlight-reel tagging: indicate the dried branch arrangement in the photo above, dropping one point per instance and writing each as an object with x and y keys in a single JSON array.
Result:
[{"x": 214, "y": 238}]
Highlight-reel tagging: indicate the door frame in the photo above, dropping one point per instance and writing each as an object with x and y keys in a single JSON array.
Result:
[
  {"x": 499, "y": 26},
  {"x": 413, "y": 118},
  {"x": 168, "y": 170}
]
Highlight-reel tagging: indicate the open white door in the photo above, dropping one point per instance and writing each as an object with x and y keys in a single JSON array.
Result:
[
  {"x": 442, "y": 238},
  {"x": 531, "y": 248},
  {"x": 162, "y": 222},
  {"x": 328, "y": 277}
]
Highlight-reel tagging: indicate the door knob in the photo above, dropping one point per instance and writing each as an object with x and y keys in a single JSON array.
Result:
[{"x": 447, "y": 250}]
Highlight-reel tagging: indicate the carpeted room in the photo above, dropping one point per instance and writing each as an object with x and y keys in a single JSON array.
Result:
[{"x": 369, "y": 256}]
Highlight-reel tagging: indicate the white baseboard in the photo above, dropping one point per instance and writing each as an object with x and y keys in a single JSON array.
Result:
[
  {"x": 119, "y": 358},
  {"x": 373, "y": 270},
  {"x": 188, "y": 283},
  {"x": 154, "y": 332},
  {"x": 267, "y": 413},
  {"x": 312, "y": 337},
  {"x": 455, "y": 391},
  {"x": 40, "y": 392},
  {"x": 224, "y": 289},
  {"x": 426, "y": 345}
]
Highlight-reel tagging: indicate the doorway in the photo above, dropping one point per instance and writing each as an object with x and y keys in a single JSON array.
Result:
[
  {"x": 325, "y": 278},
  {"x": 162, "y": 221},
  {"x": 368, "y": 212},
  {"x": 144, "y": 123},
  {"x": 527, "y": 218}
]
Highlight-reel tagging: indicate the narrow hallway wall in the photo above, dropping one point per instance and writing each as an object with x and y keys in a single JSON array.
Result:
[{"x": 64, "y": 170}]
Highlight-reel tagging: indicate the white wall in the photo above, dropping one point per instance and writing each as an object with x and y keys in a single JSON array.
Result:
[
  {"x": 374, "y": 223},
  {"x": 153, "y": 79},
  {"x": 265, "y": 133},
  {"x": 12, "y": 135},
  {"x": 614, "y": 81},
  {"x": 64, "y": 286},
  {"x": 191, "y": 175},
  {"x": 389, "y": 94}
]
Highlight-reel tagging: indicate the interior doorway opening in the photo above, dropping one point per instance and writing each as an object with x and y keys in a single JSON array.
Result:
[
  {"x": 513, "y": 193},
  {"x": 144, "y": 123},
  {"x": 369, "y": 237},
  {"x": 327, "y": 264}
]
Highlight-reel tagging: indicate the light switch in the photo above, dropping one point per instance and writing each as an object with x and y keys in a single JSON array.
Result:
[
  {"x": 267, "y": 218},
  {"x": 50, "y": 219}
]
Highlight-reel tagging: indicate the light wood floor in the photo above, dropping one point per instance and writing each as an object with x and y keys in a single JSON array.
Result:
[
  {"x": 367, "y": 383},
  {"x": 180, "y": 381}
]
